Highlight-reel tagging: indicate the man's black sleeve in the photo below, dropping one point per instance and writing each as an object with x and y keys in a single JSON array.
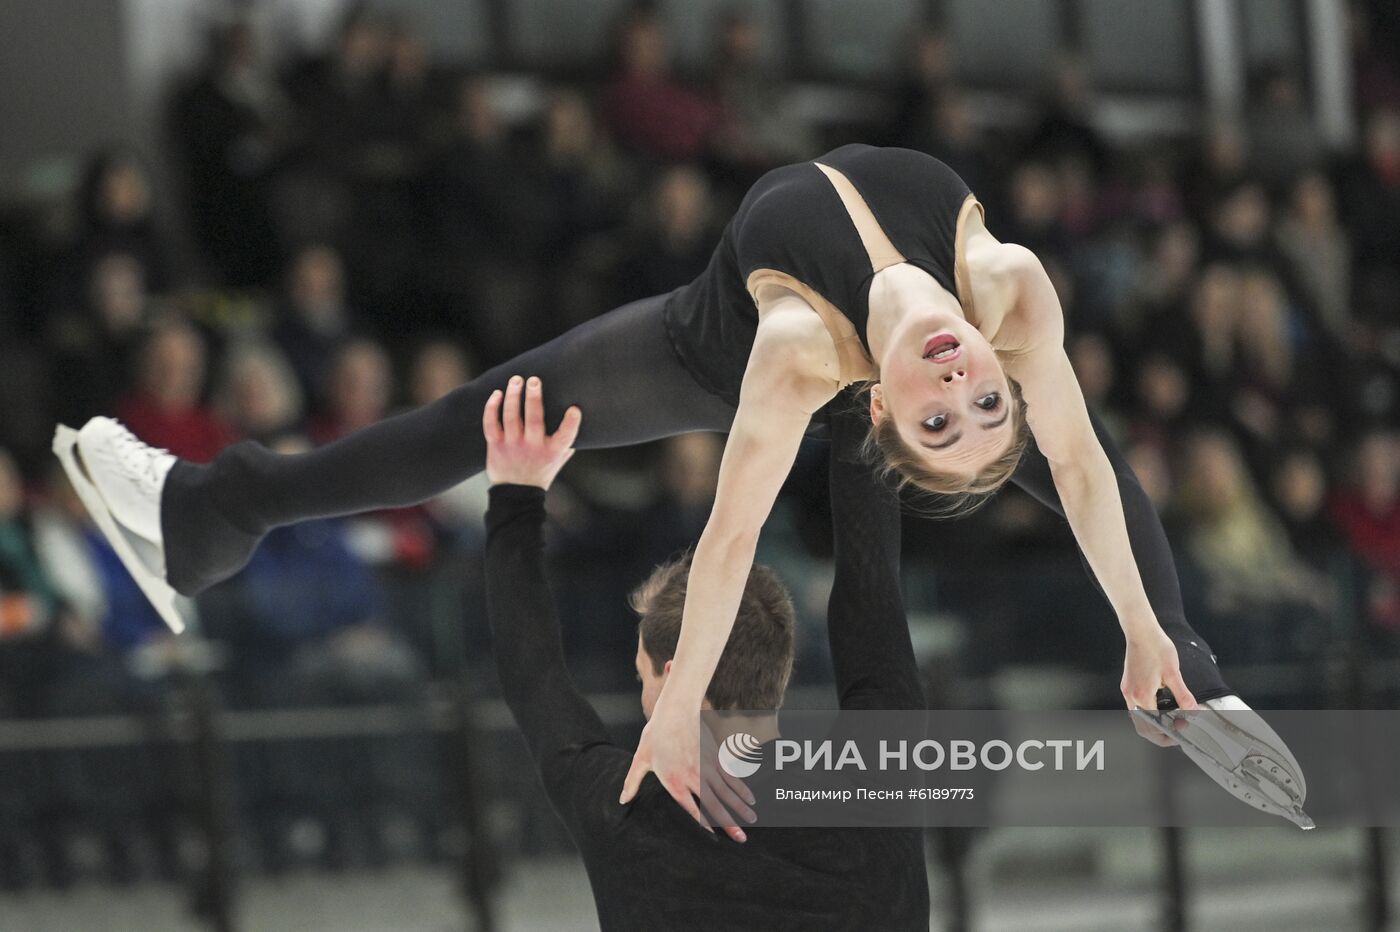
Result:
[
  {"x": 558, "y": 723},
  {"x": 1151, "y": 551},
  {"x": 869, "y": 633}
]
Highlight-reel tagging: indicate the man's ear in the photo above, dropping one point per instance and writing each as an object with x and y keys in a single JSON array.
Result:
[
  {"x": 877, "y": 403},
  {"x": 666, "y": 668}
]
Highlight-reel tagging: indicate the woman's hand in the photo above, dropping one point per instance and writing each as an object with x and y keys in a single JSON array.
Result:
[
  {"x": 670, "y": 748},
  {"x": 1150, "y": 664}
]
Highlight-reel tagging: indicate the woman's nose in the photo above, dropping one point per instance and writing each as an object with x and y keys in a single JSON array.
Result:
[{"x": 955, "y": 375}]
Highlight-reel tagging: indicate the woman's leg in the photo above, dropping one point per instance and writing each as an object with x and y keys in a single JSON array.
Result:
[{"x": 619, "y": 368}]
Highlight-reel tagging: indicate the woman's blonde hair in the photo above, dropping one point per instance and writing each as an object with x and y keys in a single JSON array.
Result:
[{"x": 958, "y": 495}]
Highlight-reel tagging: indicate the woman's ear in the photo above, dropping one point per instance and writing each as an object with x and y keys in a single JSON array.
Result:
[{"x": 877, "y": 403}]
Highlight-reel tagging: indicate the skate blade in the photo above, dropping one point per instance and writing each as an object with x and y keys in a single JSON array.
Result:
[
  {"x": 1250, "y": 743},
  {"x": 156, "y": 589},
  {"x": 1262, "y": 777}
]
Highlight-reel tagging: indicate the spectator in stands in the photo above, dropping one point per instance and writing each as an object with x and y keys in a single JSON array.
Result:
[
  {"x": 26, "y": 597},
  {"x": 1238, "y": 229},
  {"x": 759, "y": 128},
  {"x": 117, "y": 215},
  {"x": 259, "y": 398},
  {"x": 408, "y": 82},
  {"x": 338, "y": 97},
  {"x": 1368, "y": 508},
  {"x": 1375, "y": 68},
  {"x": 1298, "y": 485},
  {"x": 689, "y": 473},
  {"x": 1220, "y": 165},
  {"x": 1263, "y": 596},
  {"x": 166, "y": 407},
  {"x": 1036, "y": 202},
  {"x": 1202, "y": 342},
  {"x": 1091, "y": 355},
  {"x": 1153, "y": 473},
  {"x": 925, "y": 84},
  {"x": 93, "y": 347},
  {"x": 1164, "y": 401},
  {"x": 1284, "y": 141},
  {"x": 1065, "y": 128},
  {"x": 648, "y": 110},
  {"x": 1371, "y": 186},
  {"x": 675, "y": 244},
  {"x": 1271, "y": 393},
  {"x": 1163, "y": 288},
  {"x": 230, "y": 125},
  {"x": 494, "y": 225},
  {"x": 584, "y": 175},
  {"x": 1318, "y": 248},
  {"x": 357, "y": 392},
  {"x": 315, "y": 318},
  {"x": 1157, "y": 198}
]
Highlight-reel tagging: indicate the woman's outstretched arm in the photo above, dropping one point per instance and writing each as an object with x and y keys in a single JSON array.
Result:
[
  {"x": 776, "y": 402},
  {"x": 1086, "y": 482}
]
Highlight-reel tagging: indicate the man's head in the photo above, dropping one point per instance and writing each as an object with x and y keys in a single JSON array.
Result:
[{"x": 754, "y": 669}]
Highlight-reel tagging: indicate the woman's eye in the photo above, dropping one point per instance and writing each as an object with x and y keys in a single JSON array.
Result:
[
  {"x": 989, "y": 401},
  {"x": 937, "y": 422}
]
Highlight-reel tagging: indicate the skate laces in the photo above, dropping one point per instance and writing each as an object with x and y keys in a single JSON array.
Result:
[{"x": 139, "y": 461}]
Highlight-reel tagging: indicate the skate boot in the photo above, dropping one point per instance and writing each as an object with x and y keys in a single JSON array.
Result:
[{"x": 119, "y": 480}]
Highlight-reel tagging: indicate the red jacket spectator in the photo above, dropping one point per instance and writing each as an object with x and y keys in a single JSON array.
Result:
[
  {"x": 165, "y": 408},
  {"x": 192, "y": 433},
  {"x": 646, "y": 109}
]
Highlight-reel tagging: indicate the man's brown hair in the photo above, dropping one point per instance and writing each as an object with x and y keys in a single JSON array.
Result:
[{"x": 754, "y": 669}]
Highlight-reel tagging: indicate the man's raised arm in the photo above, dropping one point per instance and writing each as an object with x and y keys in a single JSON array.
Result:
[
  {"x": 866, "y": 624},
  {"x": 555, "y": 718}
]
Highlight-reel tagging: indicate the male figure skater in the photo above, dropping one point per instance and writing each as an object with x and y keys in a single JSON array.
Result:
[{"x": 650, "y": 864}]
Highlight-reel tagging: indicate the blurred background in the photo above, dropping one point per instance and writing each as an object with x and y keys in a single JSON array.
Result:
[{"x": 287, "y": 219}]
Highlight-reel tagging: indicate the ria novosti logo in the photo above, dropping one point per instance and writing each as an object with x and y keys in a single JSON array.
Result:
[{"x": 740, "y": 755}]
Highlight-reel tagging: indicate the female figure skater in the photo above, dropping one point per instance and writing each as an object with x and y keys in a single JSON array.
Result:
[{"x": 868, "y": 266}]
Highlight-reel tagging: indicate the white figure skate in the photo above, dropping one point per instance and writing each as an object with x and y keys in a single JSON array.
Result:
[{"x": 119, "y": 479}]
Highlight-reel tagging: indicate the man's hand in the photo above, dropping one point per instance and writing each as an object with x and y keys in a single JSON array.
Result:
[{"x": 518, "y": 451}]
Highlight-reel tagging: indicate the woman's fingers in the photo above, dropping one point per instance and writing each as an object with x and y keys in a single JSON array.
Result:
[
  {"x": 511, "y": 416},
  {"x": 719, "y": 815},
  {"x": 738, "y": 786},
  {"x": 633, "y": 781},
  {"x": 1180, "y": 692},
  {"x": 683, "y": 793},
  {"x": 727, "y": 797},
  {"x": 534, "y": 411},
  {"x": 491, "y": 418},
  {"x": 1152, "y": 734}
]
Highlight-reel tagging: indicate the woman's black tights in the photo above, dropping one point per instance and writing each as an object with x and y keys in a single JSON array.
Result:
[{"x": 620, "y": 369}]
